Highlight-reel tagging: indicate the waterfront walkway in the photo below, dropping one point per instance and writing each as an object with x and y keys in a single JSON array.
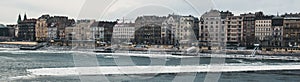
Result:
[
  {"x": 112, "y": 70},
  {"x": 20, "y": 43},
  {"x": 255, "y": 57}
]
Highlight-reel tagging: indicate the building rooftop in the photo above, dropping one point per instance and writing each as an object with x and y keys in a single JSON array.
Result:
[
  {"x": 175, "y": 17},
  {"x": 277, "y": 17},
  {"x": 211, "y": 13},
  {"x": 125, "y": 25},
  {"x": 266, "y": 17},
  {"x": 104, "y": 24},
  {"x": 2, "y": 26},
  {"x": 291, "y": 17}
]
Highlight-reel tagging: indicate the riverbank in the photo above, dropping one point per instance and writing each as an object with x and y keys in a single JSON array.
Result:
[
  {"x": 164, "y": 55},
  {"x": 244, "y": 54},
  {"x": 16, "y": 63}
]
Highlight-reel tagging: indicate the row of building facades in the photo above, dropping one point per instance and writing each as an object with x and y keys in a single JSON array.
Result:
[{"x": 212, "y": 30}]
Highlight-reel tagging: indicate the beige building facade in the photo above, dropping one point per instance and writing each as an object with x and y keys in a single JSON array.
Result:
[
  {"x": 41, "y": 30},
  {"x": 83, "y": 37},
  {"x": 263, "y": 29},
  {"x": 234, "y": 30},
  {"x": 212, "y": 29},
  {"x": 187, "y": 32}
]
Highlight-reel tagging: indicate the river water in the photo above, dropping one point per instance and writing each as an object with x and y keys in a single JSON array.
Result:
[{"x": 13, "y": 66}]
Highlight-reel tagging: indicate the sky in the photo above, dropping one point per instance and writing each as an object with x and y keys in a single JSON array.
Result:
[{"x": 129, "y": 9}]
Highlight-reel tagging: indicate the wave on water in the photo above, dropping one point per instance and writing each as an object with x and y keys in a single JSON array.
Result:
[
  {"x": 7, "y": 58},
  {"x": 19, "y": 77}
]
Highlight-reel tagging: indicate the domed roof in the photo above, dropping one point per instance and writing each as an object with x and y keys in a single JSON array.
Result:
[{"x": 2, "y": 26}]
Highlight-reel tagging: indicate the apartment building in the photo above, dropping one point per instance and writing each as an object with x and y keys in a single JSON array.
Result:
[
  {"x": 234, "y": 32},
  {"x": 264, "y": 30},
  {"x": 123, "y": 32},
  {"x": 41, "y": 29}
]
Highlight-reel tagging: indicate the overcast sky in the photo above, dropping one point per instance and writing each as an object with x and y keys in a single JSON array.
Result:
[{"x": 129, "y": 9}]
